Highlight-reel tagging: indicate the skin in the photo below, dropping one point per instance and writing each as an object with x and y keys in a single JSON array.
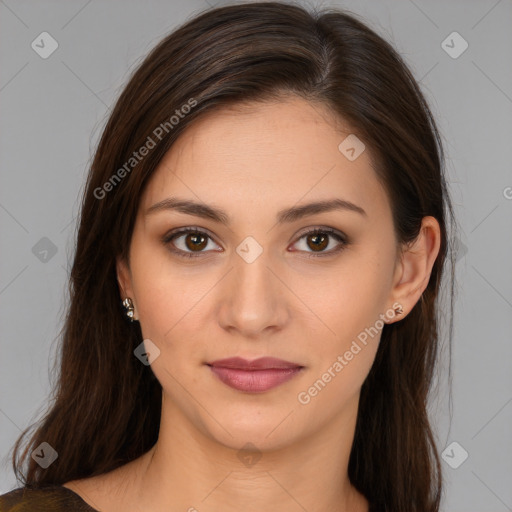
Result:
[{"x": 253, "y": 163}]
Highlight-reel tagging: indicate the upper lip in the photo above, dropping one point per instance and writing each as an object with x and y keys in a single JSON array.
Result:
[{"x": 263, "y": 363}]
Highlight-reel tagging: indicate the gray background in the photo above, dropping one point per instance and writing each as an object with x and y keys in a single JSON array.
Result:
[{"x": 53, "y": 111}]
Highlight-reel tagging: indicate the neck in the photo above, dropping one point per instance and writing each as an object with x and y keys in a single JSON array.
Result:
[{"x": 189, "y": 470}]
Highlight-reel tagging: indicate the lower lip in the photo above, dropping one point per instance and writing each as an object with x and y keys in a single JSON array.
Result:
[{"x": 254, "y": 380}]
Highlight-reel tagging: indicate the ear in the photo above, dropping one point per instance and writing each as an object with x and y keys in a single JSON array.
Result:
[
  {"x": 124, "y": 279},
  {"x": 412, "y": 274}
]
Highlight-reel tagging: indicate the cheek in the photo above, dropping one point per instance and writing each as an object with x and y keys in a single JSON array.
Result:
[
  {"x": 158, "y": 285},
  {"x": 171, "y": 302},
  {"x": 342, "y": 360},
  {"x": 336, "y": 386},
  {"x": 168, "y": 311},
  {"x": 349, "y": 307},
  {"x": 346, "y": 302}
]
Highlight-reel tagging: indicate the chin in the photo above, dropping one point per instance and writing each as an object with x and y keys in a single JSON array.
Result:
[{"x": 266, "y": 432}]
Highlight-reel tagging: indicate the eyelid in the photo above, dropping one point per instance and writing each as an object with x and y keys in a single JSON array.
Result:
[{"x": 322, "y": 229}]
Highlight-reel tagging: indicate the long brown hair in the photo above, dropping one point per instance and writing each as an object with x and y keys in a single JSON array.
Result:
[{"x": 105, "y": 410}]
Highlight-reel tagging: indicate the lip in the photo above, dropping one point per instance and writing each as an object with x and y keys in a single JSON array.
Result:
[
  {"x": 263, "y": 363},
  {"x": 254, "y": 376}
]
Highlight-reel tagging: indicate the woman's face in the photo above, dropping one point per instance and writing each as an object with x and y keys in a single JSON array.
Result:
[{"x": 257, "y": 284}]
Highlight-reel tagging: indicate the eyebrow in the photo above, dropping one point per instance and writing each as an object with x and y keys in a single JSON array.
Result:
[{"x": 287, "y": 215}]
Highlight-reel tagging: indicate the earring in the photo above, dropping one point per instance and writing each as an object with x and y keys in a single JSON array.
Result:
[
  {"x": 128, "y": 304},
  {"x": 399, "y": 310}
]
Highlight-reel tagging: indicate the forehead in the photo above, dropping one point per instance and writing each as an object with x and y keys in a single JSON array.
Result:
[{"x": 260, "y": 154}]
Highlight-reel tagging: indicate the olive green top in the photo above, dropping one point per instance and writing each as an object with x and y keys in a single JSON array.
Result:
[{"x": 49, "y": 499}]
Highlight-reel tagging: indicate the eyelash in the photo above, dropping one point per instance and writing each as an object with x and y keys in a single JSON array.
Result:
[{"x": 329, "y": 231}]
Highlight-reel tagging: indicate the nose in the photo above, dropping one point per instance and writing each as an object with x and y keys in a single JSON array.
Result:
[{"x": 253, "y": 298}]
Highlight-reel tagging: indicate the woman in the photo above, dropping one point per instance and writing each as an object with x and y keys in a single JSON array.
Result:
[{"x": 253, "y": 310}]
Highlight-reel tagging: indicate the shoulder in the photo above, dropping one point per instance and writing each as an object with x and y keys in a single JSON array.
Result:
[{"x": 53, "y": 498}]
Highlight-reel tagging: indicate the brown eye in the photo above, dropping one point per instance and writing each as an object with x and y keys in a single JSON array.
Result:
[
  {"x": 195, "y": 241},
  {"x": 188, "y": 242},
  {"x": 317, "y": 240}
]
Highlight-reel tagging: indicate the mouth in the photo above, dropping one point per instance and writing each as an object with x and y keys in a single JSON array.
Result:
[{"x": 254, "y": 376}]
